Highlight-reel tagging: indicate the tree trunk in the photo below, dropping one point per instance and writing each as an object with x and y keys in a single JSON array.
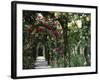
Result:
[{"x": 87, "y": 55}]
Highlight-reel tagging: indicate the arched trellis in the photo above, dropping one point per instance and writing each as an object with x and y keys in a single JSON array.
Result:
[
  {"x": 42, "y": 27},
  {"x": 45, "y": 52}
]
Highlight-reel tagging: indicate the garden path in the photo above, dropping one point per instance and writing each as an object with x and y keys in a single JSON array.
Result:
[{"x": 41, "y": 63}]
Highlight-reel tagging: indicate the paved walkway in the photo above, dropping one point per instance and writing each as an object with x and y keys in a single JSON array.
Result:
[{"x": 41, "y": 63}]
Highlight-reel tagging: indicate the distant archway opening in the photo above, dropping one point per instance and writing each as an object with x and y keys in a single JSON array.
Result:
[{"x": 40, "y": 50}]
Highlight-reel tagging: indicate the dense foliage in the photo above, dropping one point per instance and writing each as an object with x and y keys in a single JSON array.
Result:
[{"x": 66, "y": 37}]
